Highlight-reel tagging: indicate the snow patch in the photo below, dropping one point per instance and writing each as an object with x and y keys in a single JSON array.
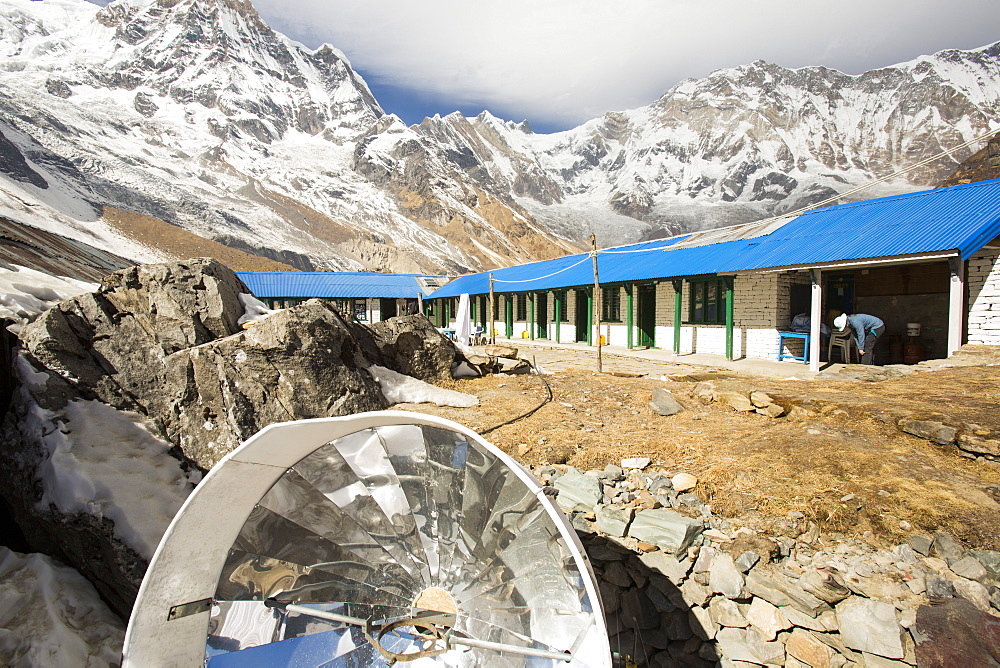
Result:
[
  {"x": 254, "y": 310},
  {"x": 401, "y": 389},
  {"x": 104, "y": 462},
  {"x": 24, "y": 293},
  {"x": 51, "y": 616}
]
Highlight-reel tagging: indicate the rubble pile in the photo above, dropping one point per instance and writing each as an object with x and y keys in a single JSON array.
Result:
[{"x": 682, "y": 586}]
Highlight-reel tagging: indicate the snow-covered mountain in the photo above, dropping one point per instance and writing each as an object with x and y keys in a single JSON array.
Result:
[
  {"x": 196, "y": 113},
  {"x": 741, "y": 144}
]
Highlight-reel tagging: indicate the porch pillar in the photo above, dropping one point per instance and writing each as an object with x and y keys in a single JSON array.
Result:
[
  {"x": 956, "y": 304},
  {"x": 815, "y": 319},
  {"x": 628, "y": 313},
  {"x": 558, "y": 309},
  {"x": 678, "y": 291},
  {"x": 729, "y": 316}
]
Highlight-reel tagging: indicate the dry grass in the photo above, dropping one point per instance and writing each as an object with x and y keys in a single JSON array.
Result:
[
  {"x": 754, "y": 469},
  {"x": 181, "y": 244}
]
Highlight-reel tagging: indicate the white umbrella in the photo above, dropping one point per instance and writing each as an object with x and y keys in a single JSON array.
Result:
[{"x": 463, "y": 320}]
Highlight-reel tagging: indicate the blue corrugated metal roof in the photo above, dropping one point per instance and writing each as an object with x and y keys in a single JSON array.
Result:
[
  {"x": 331, "y": 284},
  {"x": 961, "y": 218}
]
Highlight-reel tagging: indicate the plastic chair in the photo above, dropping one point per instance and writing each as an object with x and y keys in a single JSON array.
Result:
[
  {"x": 846, "y": 344},
  {"x": 477, "y": 336}
]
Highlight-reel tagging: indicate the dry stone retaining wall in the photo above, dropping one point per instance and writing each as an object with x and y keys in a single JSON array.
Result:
[{"x": 683, "y": 587}]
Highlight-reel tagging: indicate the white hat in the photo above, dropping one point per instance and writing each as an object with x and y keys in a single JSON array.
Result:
[{"x": 840, "y": 322}]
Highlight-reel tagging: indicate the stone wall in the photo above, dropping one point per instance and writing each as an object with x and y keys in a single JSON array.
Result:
[
  {"x": 681, "y": 586},
  {"x": 984, "y": 298}
]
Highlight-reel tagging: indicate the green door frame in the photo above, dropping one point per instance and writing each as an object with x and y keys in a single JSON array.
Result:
[
  {"x": 532, "y": 303},
  {"x": 508, "y": 316},
  {"x": 647, "y": 315},
  {"x": 542, "y": 314},
  {"x": 584, "y": 330}
]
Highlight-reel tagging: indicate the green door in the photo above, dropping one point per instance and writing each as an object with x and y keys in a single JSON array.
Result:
[
  {"x": 647, "y": 316},
  {"x": 582, "y": 315},
  {"x": 542, "y": 315}
]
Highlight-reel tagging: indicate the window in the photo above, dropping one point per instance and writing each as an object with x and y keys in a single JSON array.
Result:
[
  {"x": 360, "y": 310},
  {"x": 562, "y": 309},
  {"x": 522, "y": 308},
  {"x": 611, "y": 304},
  {"x": 707, "y": 302}
]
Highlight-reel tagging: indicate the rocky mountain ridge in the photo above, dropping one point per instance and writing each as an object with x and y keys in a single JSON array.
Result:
[{"x": 196, "y": 113}]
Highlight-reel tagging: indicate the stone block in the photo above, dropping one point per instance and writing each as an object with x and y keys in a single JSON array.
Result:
[
  {"x": 694, "y": 594},
  {"x": 507, "y": 352},
  {"x": 724, "y": 578},
  {"x": 665, "y": 403},
  {"x": 980, "y": 446},
  {"x": 824, "y": 585},
  {"x": 616, "y": 574},
  {"x": 682, "y": 482},
  {"x": 920, "y": 543},
  {"x": 870, "y": 626},
  {"x": 735, "y": 400},
  {"x": 703, "y": 564},
  {"x": 675, "y": 570},
  {"x": 578, "y": 492},
  {"x": 930, "y": 430},
  {"x": 749, "y": 646},
  {"x": 614, "y": 520},
  {"x": 779, "y": 590},
  {"x": 771, "y": 411},
  {"x": 990, "y": 559},
  {"x": 672, "y": 532},
  {"x": 947, "y": 548},
  {"x": 728, "y": 613},
  {"x": 973, "y": 592},
  {"x": 702, "y": 624},
  {"x": 760, "y": 399},
  {"x": 635, "y": 463},
  {"x": 747, "y": 560},
  {"x": 767, "y": 619},
  {"x": 971, "y": 568},
  {"x": 806, "y": 648},
  {"x": 824, "y": 623},
  {"x": 637, "y": 611},
  {"x": 939, "y": 588}
]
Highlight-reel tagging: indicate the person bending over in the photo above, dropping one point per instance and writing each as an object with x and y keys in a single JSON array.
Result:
[{"x": 867, "y": 329}]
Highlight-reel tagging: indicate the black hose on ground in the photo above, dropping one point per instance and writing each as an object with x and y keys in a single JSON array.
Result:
[{"x": 547, "y": 399}]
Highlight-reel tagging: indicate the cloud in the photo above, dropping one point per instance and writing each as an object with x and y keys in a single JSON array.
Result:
[{"x": 566, "y": 61}]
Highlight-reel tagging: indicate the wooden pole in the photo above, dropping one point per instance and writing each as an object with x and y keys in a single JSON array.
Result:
[
  {"x": 492, "y": 335},
  {"x": 597, "y": 302}
]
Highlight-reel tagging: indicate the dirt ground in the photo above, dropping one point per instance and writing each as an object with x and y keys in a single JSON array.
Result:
[{"x": 753, "y": 469}]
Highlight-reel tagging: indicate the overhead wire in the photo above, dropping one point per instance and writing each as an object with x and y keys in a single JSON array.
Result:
[
  {"x": 797, "y": 212},
  {"x": 538, "y": 278}
]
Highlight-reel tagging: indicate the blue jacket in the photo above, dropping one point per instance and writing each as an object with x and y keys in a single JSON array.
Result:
[{"x": 862, "y": 323}]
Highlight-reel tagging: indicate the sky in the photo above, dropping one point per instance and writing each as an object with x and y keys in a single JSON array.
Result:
[{"x": 559, "y": 63}]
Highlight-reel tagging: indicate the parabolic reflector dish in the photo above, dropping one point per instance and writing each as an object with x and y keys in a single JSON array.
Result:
[{"x": 363, "y": 541}]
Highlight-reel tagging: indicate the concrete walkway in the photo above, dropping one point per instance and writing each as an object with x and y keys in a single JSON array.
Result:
[{"x": 560, "y": 356}]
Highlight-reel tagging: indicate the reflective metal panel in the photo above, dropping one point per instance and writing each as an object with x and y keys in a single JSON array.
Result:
[{"x": 370, "y": 523}]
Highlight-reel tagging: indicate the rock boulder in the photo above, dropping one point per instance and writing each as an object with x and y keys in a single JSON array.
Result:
[{"x": 165, "y": 342}]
